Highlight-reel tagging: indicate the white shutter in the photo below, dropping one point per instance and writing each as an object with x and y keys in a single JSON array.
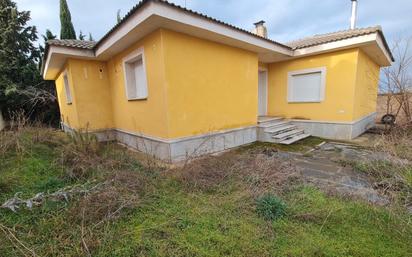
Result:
[
  {"x": 140, "y": 79},
  {"x": 67, "y": 89},
  {"x": 306, "y": 85},
  {"x": 135, "y": 75}
]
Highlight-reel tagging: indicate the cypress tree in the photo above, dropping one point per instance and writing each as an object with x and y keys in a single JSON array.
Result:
[
  {"x": 82, "y": 36},
  {"x": 67, "y": 28},
  {"x": 119, "y": 17}
]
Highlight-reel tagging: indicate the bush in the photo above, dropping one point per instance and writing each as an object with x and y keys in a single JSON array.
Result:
[{"x": 270, "y": 207}]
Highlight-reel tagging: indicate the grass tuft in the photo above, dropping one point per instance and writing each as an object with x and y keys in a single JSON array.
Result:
[{"x": 270, "y": 207}]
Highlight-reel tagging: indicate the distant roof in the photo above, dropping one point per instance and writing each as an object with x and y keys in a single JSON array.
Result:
[
  {"x": 331, "y": 37},
  {"x": 83, "y": 44}
]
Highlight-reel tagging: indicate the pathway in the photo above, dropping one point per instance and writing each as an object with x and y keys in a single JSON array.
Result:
[{"x": 321, "y": 167}]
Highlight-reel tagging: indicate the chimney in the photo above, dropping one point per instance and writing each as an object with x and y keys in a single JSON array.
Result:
[
  {"x": 354, "y": 14},
  {"x": 260, "y": 29}
]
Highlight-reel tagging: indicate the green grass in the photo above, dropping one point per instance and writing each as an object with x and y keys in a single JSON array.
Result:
[
  {"x": 300, "y": 146},
  {"x": 174, "y": 220}
]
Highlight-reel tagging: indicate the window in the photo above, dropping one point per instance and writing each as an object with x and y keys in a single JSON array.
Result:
[
  {"x": 307, "y": 85},
  {"x": 67, "y": 88},
  {"x": 135, "y": 75}
]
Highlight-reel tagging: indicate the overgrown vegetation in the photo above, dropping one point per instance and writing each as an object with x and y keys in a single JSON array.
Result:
[
  {"x": 208, "y": 207},
  {"x": 392, "y": 172}
]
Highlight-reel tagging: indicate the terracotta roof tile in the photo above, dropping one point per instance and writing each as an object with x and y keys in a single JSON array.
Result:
[
  {"x": 83, "y": 44},
  {"x": 332, "y": 37}
]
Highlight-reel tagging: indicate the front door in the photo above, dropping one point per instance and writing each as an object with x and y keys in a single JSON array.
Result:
[{"x": 262, "y": 93}]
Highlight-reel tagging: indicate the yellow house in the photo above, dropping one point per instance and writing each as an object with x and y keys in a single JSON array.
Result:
[{"x": 176, "y": 83}]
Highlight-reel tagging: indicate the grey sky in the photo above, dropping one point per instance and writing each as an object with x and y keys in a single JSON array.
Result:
[{"x": 286, "y": 19}]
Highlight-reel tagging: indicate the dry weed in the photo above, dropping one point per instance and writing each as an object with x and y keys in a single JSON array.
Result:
[
  {"x": 263, "y": 173},
  {"x": 255, "y": 169},
  {"x": 21, "y": 135},
  {"x": 206, "y": 173},
  {"x": 392, "y": 175},
  {"x": 110, "y": 202},
  {"x": 80, "y": 155},
  {"x": 397, "y": 142}
]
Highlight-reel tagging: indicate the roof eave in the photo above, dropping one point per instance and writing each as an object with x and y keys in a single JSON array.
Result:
[
  {"x": 143, "y": 3},
  {"x": 56, "y": 57},
  {"x": 385, "y": 57},
  {"x": 183, "y": 20},
  {"x": 143, "y": 16}
]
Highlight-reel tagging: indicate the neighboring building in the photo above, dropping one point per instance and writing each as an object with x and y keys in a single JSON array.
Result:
[{"x": 173, "y": 82}]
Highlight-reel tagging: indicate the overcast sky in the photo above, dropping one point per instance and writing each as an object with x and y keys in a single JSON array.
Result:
[{"x": 286, "y": 19}]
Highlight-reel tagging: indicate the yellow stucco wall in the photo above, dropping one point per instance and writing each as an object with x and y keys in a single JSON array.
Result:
[
  {"x": 339, "y": 92},
  {"x": 366, "y": 90},
  {"x": 197, "y": 86},
  {"x": 147, "y": 116},
  {"x": 68, "y": 112},
  {"x": 93, "y": 101},
  {"x": 210, "y": 86}
]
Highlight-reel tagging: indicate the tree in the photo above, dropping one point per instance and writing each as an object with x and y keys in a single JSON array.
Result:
[
  {"x": 397, "y": 79},
  {"x": 18, "y": 56},
  {"x": 67, "y": 28},
  {"x": 39, "y": 100},
  {"x": 119, "y": 18},
  {"x": 82, "y": 36},
  {"x": 90, "y": 37},
  {"x": 48, "y": 36}
]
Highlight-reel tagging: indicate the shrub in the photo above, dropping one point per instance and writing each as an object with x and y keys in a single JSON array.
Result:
[{"x": 270, "y": 207}]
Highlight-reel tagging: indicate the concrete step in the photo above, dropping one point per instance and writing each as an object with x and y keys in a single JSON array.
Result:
[
  {"x": 289, "y": 134},
  {"x": 280, "y": 129},
  {"x": 273, "y": 124},
  {"x": 294, "y": 139},
  {"x": 264, "y": 119}
]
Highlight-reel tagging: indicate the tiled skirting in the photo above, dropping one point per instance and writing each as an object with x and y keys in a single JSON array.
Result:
[
  {"x": 337, "y": 130},
  {"x": 179, "y": 149}
]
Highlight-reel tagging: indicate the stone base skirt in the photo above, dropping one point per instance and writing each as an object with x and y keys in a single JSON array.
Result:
[
  {"x": 179, "y": 149},
  {"x": 337, "y": 130},
  {"x": 174, "y": 150}
]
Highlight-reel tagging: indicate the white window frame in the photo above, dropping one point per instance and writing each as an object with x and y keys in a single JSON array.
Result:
[
  {"x": 132, "y": 57},
  {"x": 66, "y": 84},
  {"x": 290, "y": 96}
]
